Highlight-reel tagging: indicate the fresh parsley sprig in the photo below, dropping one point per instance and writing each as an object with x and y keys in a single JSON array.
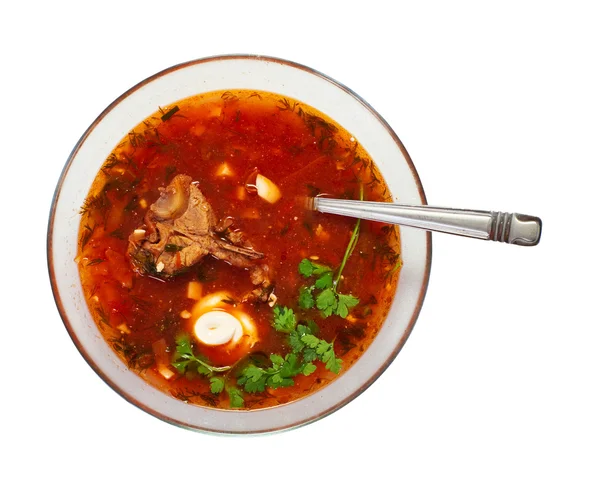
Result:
[
  {"x": 329, "y": 301},
  {"x": 284, "y": 319},
  {"x": 306, "y": 348},
  {"x": 302, "y": 340},
  {"x": 279, "y": 374},
  {"x": 184, "y": 359}
]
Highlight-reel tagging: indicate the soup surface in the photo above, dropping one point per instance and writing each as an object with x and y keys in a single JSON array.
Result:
[{"x": 203, "y": 267}]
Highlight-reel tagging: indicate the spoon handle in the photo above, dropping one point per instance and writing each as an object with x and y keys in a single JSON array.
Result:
[{"x": 514, "y": 228}]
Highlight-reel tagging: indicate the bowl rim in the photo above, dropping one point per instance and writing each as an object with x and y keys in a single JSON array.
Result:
[{"x": 64, "y": 316}]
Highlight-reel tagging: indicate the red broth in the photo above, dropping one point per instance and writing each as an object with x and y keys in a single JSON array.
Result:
[{"x": 304, "y": 153}]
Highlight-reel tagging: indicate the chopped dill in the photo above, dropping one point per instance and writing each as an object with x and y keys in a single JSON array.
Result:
[
  {"x": 86, "y": 235},
  {"x": 169, "y": 113},
  {"x": 285, "y": 105},
  {"x": 228, "y": 96},
  {"x": 94, "y": 262},
  {"x": 117, "y": 233},
  {"x": 173, "y": 248}
]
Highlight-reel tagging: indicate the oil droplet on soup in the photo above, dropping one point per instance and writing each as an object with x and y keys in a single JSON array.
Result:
[{"x": 204, "y": 271}]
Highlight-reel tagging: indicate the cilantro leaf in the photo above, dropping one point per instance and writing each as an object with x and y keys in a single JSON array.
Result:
[
  {"x": 253, "y": 379},
  {"x": 303, "y": 329},
  {"x": 325, "y": 281},
  {"x": 308, "y": 369},
  {"x": 184, "y": 357},
  {"x": 295, "y": 342},
  {"x": 319, "y": 269},
  {"x": 277, "y": 359},
  {"x": 305, "y": 299},
  {"x": 345, "y": 302},
  {"x": 309, "y": 355},
  {"x": 310, "y": 340},
  {"x": 217, "y": 384},
  {"x": 291, "y": 367},
  {"x": 327, "y": 302},
  {"x": 276, "y": 381},
  {"x": 335, "y": 365},
  {"x": 322, "y": 347},
  {"x": 284, "y": 319},
  {"x": 236, "y": 400},
  {"x": 305, "y": 268},
  {"x": 308, "y": 268},
  {"x": 203, "y": 369},
  {"x": 330, "y": 360}
]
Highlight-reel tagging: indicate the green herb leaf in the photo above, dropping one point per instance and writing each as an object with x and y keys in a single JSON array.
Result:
[
  {"x": 296, "y": 342},
  {"x": 323, "y": 347},
  {"x": 325, "y": 281},
  {"x": 276, "y": 359},
  {"x": 217, "y": 384},
  {"x": 284, "y": 319},
  {"x": 169, "y": 113},
  {"x": 308, "y": 268},
  {"x": 203, "y": 369},
  {"x": 291, "y": 366},
  {"x": 305, "y": 299},
  {"x": 305, "y": 268},
  {"x": 308, "y": 368},
  {"x": 184, "y": 357},
  {"x": 310, "y": 355},
  {"x": 327, "y": 302},
  {"x": 345, "y": 302},
  {"x": 335, "y": 365},
  {"x": 310, "y": 341},
  {"x": 236, "y": 400}
]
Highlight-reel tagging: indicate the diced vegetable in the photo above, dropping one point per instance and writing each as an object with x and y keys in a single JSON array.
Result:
[
  {"x": 321, "y": 233},
  {"x": 194, "y": 290},
  {"x": 225, "y": 171},
  {"x": 215, "y": 112},
  {"x": 165, "y": 371},
  {"x": 267, "y": 189},
  {"x": 138, "y": 234},
  {"x": 162, "y": 358}
]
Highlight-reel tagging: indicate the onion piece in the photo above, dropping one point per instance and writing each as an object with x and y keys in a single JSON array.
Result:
[
  {"x": 267, "y": 189},
  {"x": 194, "y": 290},
  {"x": 224, "y": 171},
  {"x": 161, "y": 356}
]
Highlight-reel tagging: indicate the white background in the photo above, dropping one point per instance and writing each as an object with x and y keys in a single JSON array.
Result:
[{"x": 498, "y": 104}]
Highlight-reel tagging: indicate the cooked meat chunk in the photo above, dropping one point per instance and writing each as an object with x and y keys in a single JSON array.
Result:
[{"x": 181, "y": 229}]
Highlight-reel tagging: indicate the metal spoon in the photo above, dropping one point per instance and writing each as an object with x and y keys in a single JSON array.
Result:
[{"x": 514, "y": 228}]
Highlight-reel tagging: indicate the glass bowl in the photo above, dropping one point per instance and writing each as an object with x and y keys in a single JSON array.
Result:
[{"x": 222, "y": 73}]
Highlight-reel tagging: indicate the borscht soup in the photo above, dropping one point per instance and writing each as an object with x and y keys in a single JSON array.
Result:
[{"x": 206, "y": 272}]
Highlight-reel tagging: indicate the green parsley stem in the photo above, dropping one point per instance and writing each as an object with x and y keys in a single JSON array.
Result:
[{"x": 351, "y": 246}]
